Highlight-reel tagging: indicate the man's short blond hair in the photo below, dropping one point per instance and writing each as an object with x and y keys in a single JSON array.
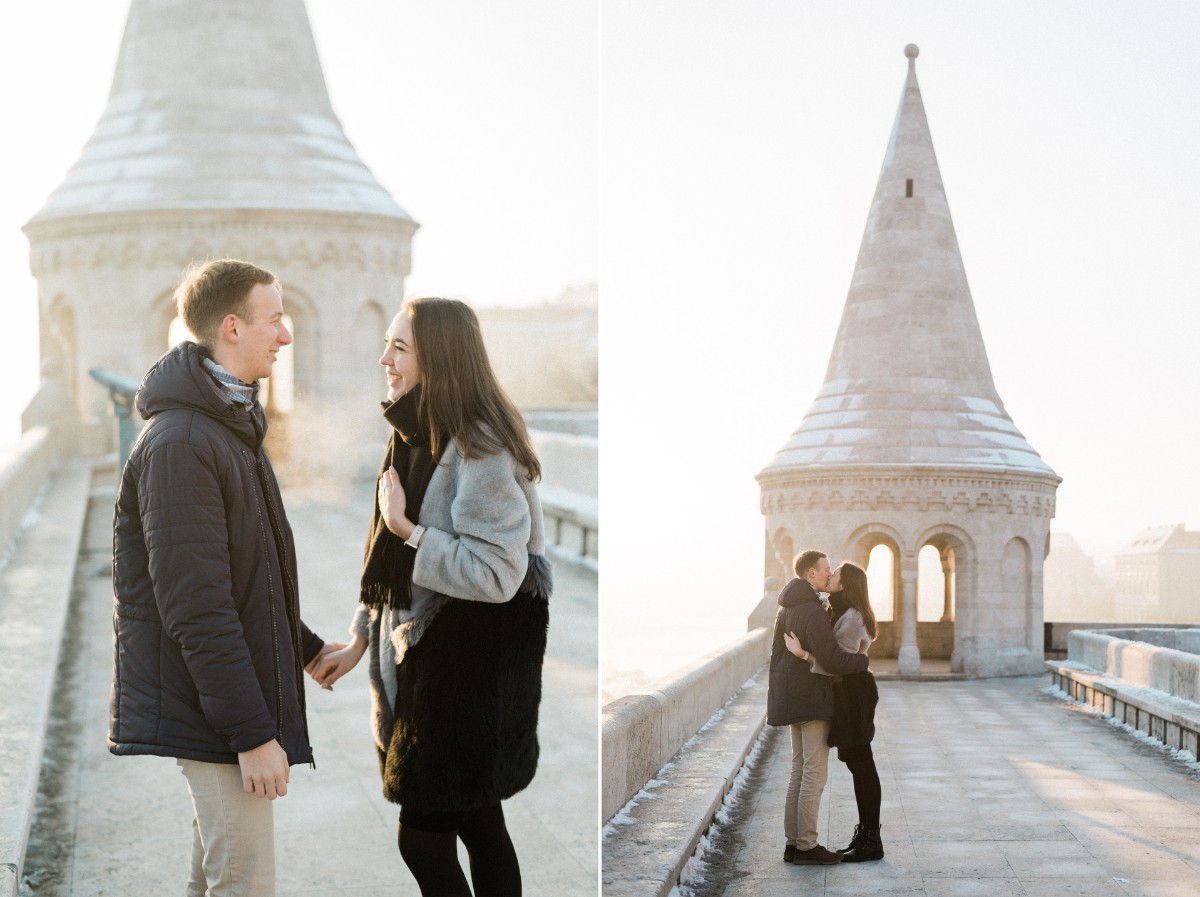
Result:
[
  {"x": 213, "y": 289},
  {"x": 806, "y": 560}
]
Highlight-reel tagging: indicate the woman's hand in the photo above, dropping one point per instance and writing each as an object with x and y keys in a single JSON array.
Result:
[
  {"x": 393, "y": 503},
  {"x": 793, "y": 645},
  {"x": 336, "y": 664},
  {"x": 327, "y": 648}
]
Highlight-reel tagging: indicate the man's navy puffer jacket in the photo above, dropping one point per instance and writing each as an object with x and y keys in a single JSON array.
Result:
[
  {"x": 794, "y": 692},
  {"x": 208, "y": 645}
]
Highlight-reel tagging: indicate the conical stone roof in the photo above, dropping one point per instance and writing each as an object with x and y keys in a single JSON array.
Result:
[
  {"x": 908, "y": 383},
  {"x": 218, "y": 105}
]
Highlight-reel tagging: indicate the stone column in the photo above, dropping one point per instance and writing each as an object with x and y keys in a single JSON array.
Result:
[
  {"x": 909, "y": 662},
  {"x": 948, "y": 579}
]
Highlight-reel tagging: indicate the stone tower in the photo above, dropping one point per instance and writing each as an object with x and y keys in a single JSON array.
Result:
[
  {"x": 907, "y": 444},
  {"x": 218, "y": 140}
]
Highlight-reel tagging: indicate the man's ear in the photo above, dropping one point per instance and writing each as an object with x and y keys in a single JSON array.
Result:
[{"x": 230, "y": 325}]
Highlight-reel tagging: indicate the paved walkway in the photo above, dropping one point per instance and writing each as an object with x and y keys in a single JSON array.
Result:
[
  {"x": 121, "y": 825},
  {"x": 990, "y": 787}
]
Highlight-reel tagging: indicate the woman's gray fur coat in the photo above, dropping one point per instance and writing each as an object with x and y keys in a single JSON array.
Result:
[{"x": 456, "y": 680}]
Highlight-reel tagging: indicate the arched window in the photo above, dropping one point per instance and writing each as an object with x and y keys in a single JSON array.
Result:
[
  {"x": 936, "y": 583},
  {"x": 931, "y": 585},
  {"x": 881, "y": 581}
]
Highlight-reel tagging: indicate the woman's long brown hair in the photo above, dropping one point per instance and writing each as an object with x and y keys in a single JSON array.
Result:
[
  {"x": 461, "y": 399},
  {"x": 854, "y": 592}
]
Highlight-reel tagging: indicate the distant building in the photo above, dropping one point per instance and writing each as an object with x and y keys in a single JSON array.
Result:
[
  {"x": 1158, "y": 577},
  {"x": 547, "y": 355},
  {"x": 1074, "y": 590}
]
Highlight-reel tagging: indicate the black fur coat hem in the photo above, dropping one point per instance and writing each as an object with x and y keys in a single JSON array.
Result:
[{"x": 467, "y": 698}]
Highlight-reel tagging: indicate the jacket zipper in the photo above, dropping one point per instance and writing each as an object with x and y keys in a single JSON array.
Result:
[
  {"x": 271, "y": 603},
  {"x": 292, "y": 597}
]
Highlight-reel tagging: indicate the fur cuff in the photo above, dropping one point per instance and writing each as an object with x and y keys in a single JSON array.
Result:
[{"x": 539, "y": 578}]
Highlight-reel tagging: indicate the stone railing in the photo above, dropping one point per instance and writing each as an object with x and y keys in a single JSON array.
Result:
[
  {"x": 1146, "y": 678},
  {"x": 24, "y": 470},
  {"x": 641, "y": 732},
  {"x": 1057, "y": 633},
  {"x": 569, "y": 491}
]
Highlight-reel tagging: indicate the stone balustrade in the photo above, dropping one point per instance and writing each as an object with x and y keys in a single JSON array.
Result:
[
  {"x": 641, "y": 732},
  {"x": 569, "y": 491},
  {"x": 1146, "y": 678},
  {"x": 1057, "y": 633},
  {"x": 24, "y": 470}
]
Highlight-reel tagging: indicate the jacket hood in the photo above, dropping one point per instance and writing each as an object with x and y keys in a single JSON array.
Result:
[
  {"x": 178, "y": 380},
  {"x": 797, "y": 591}
]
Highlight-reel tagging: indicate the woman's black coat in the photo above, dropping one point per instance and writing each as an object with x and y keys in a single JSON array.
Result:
[{"x": 854, "y": 700}]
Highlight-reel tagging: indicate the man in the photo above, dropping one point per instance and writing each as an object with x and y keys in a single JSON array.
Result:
[
  {"x": 803, "y": 701},
  {"x": 209, "y": 648}
]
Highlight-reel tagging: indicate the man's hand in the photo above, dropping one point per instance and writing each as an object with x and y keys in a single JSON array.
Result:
[{"x": 265, "y": 771}]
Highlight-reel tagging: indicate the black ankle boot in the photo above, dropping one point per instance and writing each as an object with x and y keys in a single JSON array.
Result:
[
  {"x": 866, "y": 846},
  {"x": 856, "y": 841}
]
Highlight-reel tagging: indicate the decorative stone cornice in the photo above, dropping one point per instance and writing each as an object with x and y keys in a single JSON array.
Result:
[
  {"x": 348, "y": 242},
  {"x": 1017, "y": 495}
]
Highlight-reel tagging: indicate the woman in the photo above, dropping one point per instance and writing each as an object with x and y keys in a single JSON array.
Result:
[
  {"x": 854, "y": 700},
  {"x": 453, "y": 603}
]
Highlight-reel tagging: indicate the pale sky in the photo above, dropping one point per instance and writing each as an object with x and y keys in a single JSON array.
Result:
[
  {"x": 480, "y": 118},
  {"x": 741, "y": 144}
]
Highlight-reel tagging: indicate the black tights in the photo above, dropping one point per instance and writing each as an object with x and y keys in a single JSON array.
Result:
[
  {"x": 867, "y": 792},
  {"x": 429, "y": 847}
]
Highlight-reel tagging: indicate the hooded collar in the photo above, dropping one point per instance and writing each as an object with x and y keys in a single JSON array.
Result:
[
  {"x": 178, "y": 380},
  {"x": 797, "y": 591}
]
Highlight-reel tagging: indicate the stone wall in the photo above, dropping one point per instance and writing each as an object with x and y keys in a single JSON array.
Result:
[
  {"x": 569, "y": 491},
  {"x": 106, "y": 281},
  {"x": 1057, "y": 633},
  {"x": 23, "y": 473},
  {"x": 644, "y": 730},
  {"x": 1146, "y": 678},
  {"x": 996, "y": 523}
]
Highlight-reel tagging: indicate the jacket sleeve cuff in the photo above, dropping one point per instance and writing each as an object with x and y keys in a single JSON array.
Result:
[
  {"x": 312, "y": 643},
  {"x": 251, "y": 737}
]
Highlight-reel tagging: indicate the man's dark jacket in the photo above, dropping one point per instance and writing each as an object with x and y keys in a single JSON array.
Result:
[
  {"x": 208, "y": 645},
  {"x": 794, "y": 692}
]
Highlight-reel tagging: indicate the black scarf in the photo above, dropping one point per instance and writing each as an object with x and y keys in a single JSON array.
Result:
[
  {"x": 388, "y": 563},
  {"x": 838, "y": 605}
]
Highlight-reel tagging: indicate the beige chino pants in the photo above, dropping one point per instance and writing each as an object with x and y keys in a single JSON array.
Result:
[
  {"x": 810, "y": 772},
  {"x": 233, "y": 834}
]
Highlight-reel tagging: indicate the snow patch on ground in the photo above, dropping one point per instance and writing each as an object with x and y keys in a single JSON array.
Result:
[{"x": 695, "y": 871}]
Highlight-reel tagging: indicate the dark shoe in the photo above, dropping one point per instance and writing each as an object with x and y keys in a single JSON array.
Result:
[
  {"x": 789, "y": 853},
  {"x": 856, "y": 841},
  {"x": 869, "y": 848},
  {"x": 816, "y": 856}
]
